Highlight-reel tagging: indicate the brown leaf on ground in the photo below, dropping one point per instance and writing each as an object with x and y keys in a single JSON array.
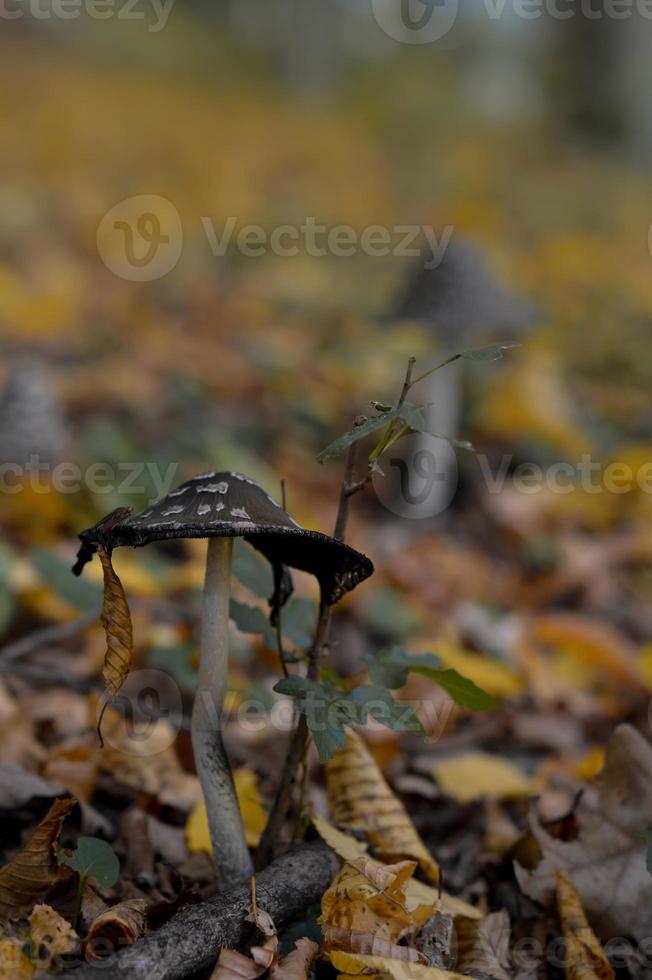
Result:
[
  {"x": 360, "y": 799},
  {"x": 51, "y": 934},
  {"x": 353, "y": 941},
  {"x": 296, "y": 965},
  {"x": 74, "y": 765},
  {"x": 483, "y": 947},
  {"x": 232, "y": 965},
  {"x": 606, "y": 863},
  {"x": 584, "y": 957},
  {"x": 34, "y": 870},
  {"x": 119, "y": 926}
]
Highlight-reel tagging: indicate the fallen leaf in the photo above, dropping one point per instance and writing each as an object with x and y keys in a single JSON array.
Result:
[
  {"x": 116, "y": 620},
  {"x": 232, "y": 965},
  {"x": 483, "y": 947},
  {"x": 360, "y": 799},
  {"x": 119, "y": 926},
  {"x": 296, "y": 965},
  {"x": 251, "y": 808},
  {"x": 14, "y": 965},
  {"x": 584, "y": 957},
  {"x": 397, "y": 969},
  {"x": 52, "y": 936},
  {"x": 34, "y": 870},
  {"x": 417, "y": 892},
  {"x": 606, "y": 861},
  {"x": 475, "y": 775}
]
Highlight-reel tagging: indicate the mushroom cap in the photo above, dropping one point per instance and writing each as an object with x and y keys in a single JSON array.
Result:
[
  {"x": 232, "y": 505},
  {"x": 460, "y": 296}
]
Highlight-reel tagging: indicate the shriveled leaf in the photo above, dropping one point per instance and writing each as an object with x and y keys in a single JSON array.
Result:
[
  {"x": 584, "y": 957},
  {"x": 233, "y": 965},
  {"x": 476, "y": 775},
  {"x": 397, "y": 969},
  {"x": 52, "y": 936},
  {"x": 483, "y": 946},
  {"x": 116, "y": 620},
  {"x": 296, "y": 965},
  {"x": 360, "y": 799},
  {"x": 605, "y": 863},
  {"x": 93, "y": 858},
  {"x": 494, "y": 352},
  {"x": 34, "y": 870},
  {"x": 14, "y": 965},
  {"x": 119, "y": 926},
  {"x": 354, "y": 941},
  {"x": 349, "y": 848}
]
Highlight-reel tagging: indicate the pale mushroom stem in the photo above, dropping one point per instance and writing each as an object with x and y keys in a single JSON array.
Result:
[{"x": 230, "y": 853}]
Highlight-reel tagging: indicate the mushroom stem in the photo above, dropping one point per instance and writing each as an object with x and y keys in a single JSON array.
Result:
[{"x": 230, "y": 852}]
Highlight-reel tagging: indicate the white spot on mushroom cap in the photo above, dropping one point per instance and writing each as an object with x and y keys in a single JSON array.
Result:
[
  {"x": 214, "y": 487},
  {"x": 206, "y": 476},
  {"x": 241, "y": 513},
  {"x": 204, "y": 509},
  {"x": 218, "y": 506},
  {"x": 178, "y": 491},
  {"x": 176, "y": 509}
]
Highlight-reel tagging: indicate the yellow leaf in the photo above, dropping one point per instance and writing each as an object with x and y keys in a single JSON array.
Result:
[
  {"x": 253, "y": 814},
  {"x": 34, "y": 870},
  {"x": 584, "y": 957},
  {"x": 397, "y": 969},
  {"x": 488, "y": 673},
  {"x": 417, "y": 892},
  {"x": 51, "y": 935},
  {"x": 14, "y": 965},
  {"x": 361, "y": 799},
  {"x": 474, "y": 775}
]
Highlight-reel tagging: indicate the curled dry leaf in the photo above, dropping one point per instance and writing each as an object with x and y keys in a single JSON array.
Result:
[
  {"x": 52, "y": 935},
  {"x": 584, "y": 957},
  {"x": 296, "y": 965},
  {"x": 34, "y": 870},
  {"x": 232, "y": 965},
  {"x": 119, "y": 926},
  {"x": 353, "y": 941},
  {"x": 14, "y": 965},
  {"x": 483, "y": 947},
  {"x": 361, "y": 799},
  {"x": 116, "y": 620},
  {"x": 417, "y": 893}
]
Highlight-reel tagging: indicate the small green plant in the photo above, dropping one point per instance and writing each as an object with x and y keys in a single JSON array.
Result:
[{"x": 93, "y": 858}]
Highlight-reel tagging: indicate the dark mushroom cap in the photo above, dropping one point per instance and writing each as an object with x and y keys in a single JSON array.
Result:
[
  {"x": 232, "y": 505},
  {"x": 461, "y": 297}
]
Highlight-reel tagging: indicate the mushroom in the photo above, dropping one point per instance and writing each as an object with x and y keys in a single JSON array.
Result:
[
  {"x": 221, "y": 506},
  {"x": 461, "y": 303}
]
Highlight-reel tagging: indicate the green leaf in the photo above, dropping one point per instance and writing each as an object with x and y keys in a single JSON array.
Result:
[
  {"x": 492, "y": 353},
  {"x": 298, "y": 620},
  {"x": 377, "y": 702},
  {"x": 251, "y": 619},
  {"x": 93, "y": 858},
  {"x": 337, "y": 447},
  {"x": 462, "y": 690},
  {"x": 390, "y": 668},
  {"x": 252, "y": 571}
]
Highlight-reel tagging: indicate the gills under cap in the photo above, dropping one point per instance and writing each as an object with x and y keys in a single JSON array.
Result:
[{"x": 231, "y": 505}]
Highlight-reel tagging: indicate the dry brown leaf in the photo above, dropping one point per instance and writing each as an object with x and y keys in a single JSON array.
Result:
[
  {"x": 380, "y": 966},
  {"x": 232, "y": 965},
  {"x": 353, "y": 941},
  {"x": 51, "y": 934},
  {"x": 606, "y": 862},
  {"x": 296, "y": 965},
  {"x": 369, "y": 897},
  {"x": 360, "y": 799},
  {"x": 116, "y": 620},
  {"x": 483, "y": 947},
  {"x": 34, "y": 870},
  {"x": 584, "y": 957},
  {"x": 14, "y": 965},
  {"x": 417, "y": 893},
  {"x": 119, "y": 926}
]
